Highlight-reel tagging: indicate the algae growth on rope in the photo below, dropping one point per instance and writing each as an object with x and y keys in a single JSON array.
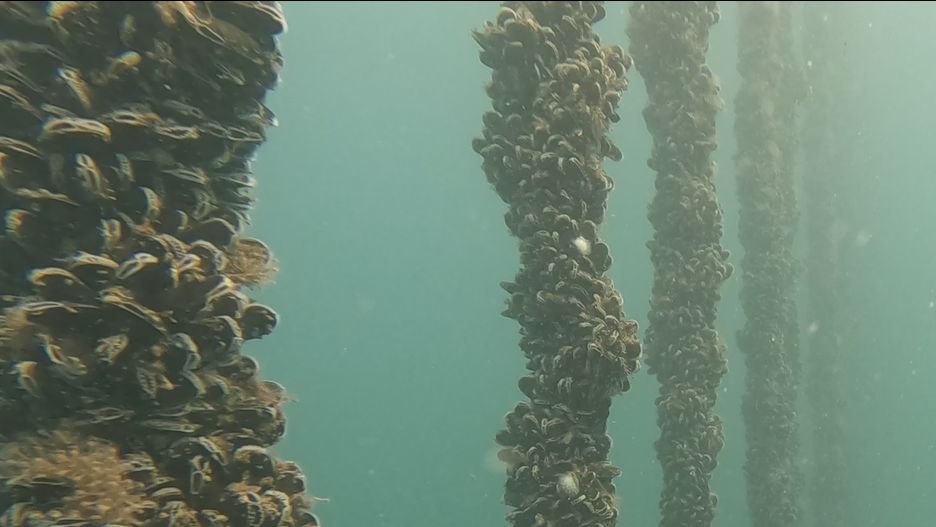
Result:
[
  {"x": 555, "y": 89},
  {"x": 669, "y": 41},
  {"x": 126, "y": 133}
]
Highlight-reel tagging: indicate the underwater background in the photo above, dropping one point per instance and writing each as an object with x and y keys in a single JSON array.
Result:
[{"x": 391, "y": 246}]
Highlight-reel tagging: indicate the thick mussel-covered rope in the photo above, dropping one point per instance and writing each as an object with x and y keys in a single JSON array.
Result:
[
  {"x": 554, "y": 89},
  {"x": 826, "y": 186},
  {"x": 765, "y": 110},
  {"x": 669, "y": 41},
  {"x": 126, "y": 135}
]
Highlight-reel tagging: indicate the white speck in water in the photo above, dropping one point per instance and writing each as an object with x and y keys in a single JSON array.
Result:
[
  {"x": 583, "y": 245},
  {"x": 913, "y": 372},
  {"x": 862, "y": 238},
  {"x": 808, "y": 63},
  {"x": 932, "y": 304},
  {"x": 813, "y": 328}
]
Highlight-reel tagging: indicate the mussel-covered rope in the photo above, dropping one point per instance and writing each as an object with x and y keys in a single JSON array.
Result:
[
  {"x": 555, "y": 89},
  {"x": 126, "y": 135}
]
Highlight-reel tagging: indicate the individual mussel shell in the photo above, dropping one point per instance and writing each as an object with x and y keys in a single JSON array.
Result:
[
  {"x": 93, "y": 270},
  {"x": 212, "y": 518},
  {"x": 19, "y": 115},
  {"x": 218, "y": 338},
  {"x": 255, "y": 460},
  {"x": 307, "y": 519},
  {"x": 261, "y": 17},
  {"x": 244, "y": 507},
  {"x": 56, "y": 284},
  {"x": 240, "y": 368},
  {"x": 215, "y": 231},
  {"x": 258, "y": 321},
  {"x": 146, "y": 321},
  {"x": 74, "y": 134},
  {"x": 57, "y": 316},
  {"x": 181, "y": 353},
  {"x": 41, "y": 489}
]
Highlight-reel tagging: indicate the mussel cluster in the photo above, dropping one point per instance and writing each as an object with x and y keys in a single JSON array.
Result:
[
  {"x": 827, "y": 179},
  {"x": 555, "y": 88},
  {"x": 765, "y": 127},
  {"x": 669, "y": 41},
  {"x": 127, "y": 131}
]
